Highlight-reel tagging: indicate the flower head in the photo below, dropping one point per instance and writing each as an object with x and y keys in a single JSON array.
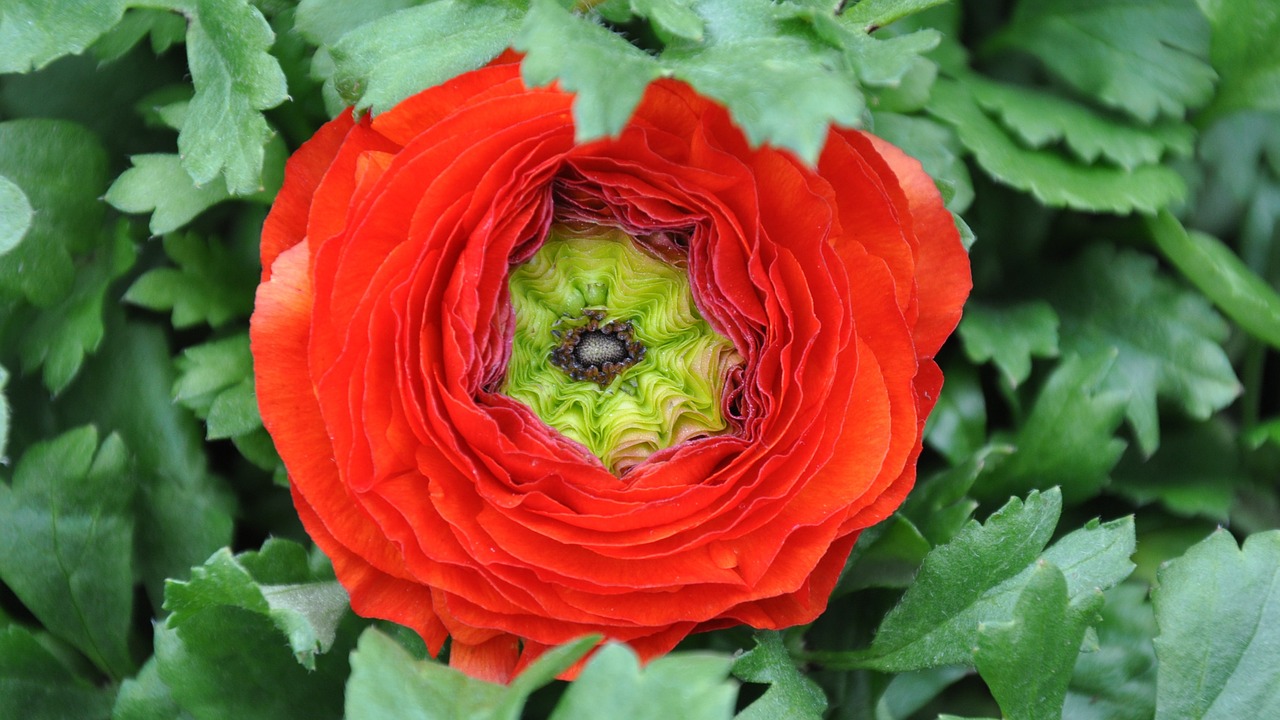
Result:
[{"x": 527, "y": 389}]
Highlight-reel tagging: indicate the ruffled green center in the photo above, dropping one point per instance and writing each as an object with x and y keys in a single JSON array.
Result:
[{"x": 610, "y": 350}]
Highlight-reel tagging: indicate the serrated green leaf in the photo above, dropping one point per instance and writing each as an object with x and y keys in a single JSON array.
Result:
[
  {"x": 68, "y": 548},
  {"x": 1221, "y": 275},
  {"x": 1040, "y": 118},
  {"x": 1219, "y": 619},
  {"x": 870, "y": 14},
  {"x": 159, "y": 184},
  {"x": 34, "y": 33},
  {"x": 673, "y": 16},
  {"x": 16, "y": 215},
  {"x": 209, "y": 285},
  {"x": 1118, "y": 680},
  {"x": 1146, "y": 57},
  {"x": 235, "y": 79},
  {"x": 1068, "y": 437},
  {"x": 216, "y": 382},
  {"x": 977, "y": 578},
  {"x": 34, "y": 685},
  {"x": 183, "y": 513},
  {"x": 1026, "y": 661},
  {"x": 164, "y": 27},
  {"x": 388, "y": 59},
  {"x": 608, "y": 74},
  {"x": 1053, "y": 178},
  {"x": 937, "y": 149},
  {"x": 791, "y": 694},
  {"x": 1010, "y": 336},
  {"x": 1195, "y": 472},
  {"x": 61, "y": 169},
  {"x": 1166, "y": 339},
  {"x": 1243, "y": 50},
  {"x": 683, "y": 685}
]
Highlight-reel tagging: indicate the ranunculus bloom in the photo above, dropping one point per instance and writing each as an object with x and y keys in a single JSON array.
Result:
[{"x": 385, "y": 326}]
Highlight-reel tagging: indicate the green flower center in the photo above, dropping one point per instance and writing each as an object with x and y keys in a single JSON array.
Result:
[{"x": 610, "y": 350}]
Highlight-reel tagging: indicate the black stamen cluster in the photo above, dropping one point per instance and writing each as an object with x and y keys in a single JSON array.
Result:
[{"x": 597, "y": 351}]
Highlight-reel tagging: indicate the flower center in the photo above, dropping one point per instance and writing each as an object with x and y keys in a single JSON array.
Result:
[{"x": 610, "y": 349}]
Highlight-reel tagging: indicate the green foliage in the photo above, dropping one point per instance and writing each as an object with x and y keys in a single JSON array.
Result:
[
  {"x": 1244, "y": 53},
  {"x": 790, "y": 693},
  {"x": 689, "y": 685},
  {"x": 197, "y": 291},
  {"x": 1219, "y": 623},
  {"x": 34, "y": 33},
  {"x": 1010, "y": 337},
  {"x": 15, "y": 215},
  {"x": 36, "y": 684},
  {"x": 1117, "y": 681}
]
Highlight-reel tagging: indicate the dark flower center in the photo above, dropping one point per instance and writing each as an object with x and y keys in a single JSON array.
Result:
[{"x": 597, "y": 351}]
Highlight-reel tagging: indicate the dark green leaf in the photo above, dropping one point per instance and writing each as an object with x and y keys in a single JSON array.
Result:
[
  {"x": 1194, "y": 473},
  {"x": 16, "y": 215},
  {"x": 1118, "y": 680},
  {"x": 1219, "y": 626},
  {"x": 940, "y": 505},
  {"x": 1244, "y": 52},
  {"x": 957, "y": 427},
  {"x": 909, "y": 691},
  {"x": 146, "y": 697},
  {"x": 791, "y": 694},
  {"x": 1221, "y": 275},
  {"x": 235, "y": 80},
  {"x": 886, "y": 556},
  {"x": 1010, "y": 336},
  {"x": 34, "y": 33},
  {"x": 1167, "y": 339},
  {"x": 209, "y": 285},
  {"x": 164, "y": 27},
  {"x": 1146, "y": 57},
  {"x": 692, "y": 686},
  {"x": 1054, "y": 178},
  {"x": 1067, "y": 439},
  {"x": 68, "y": 546},
  {"x": 1026, "y": 661},
  {"x": 216, "y": 382},
  {"x": 61, "y": 169},
  {"x": 4, "y": 415},
  {"x": 384, "y": 61},
  {"x": 34, "y": 685}
]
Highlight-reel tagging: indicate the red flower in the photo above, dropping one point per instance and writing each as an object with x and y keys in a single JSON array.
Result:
[{"x": 383, "y": 330}]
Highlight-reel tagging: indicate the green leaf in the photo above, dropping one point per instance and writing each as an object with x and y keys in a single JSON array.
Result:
[
  {"x": 235, "y": 79},
  {"x": 61, "y": 169},
  {"x": 146, "y": 697},
  {"x": 1243, "y": 50},
  {"x": 791, "y": 694},
  {"x": 1195, "y": 472},
  {"x": 384, "y": 61},
  {"x": 165, "y": 28},
  {"x": 216, "y": 382},
  {"x": 209, "y": 285},
  {"x": 1010, "y": 336},
  {"x": 1068, "y": 437},
  {"x": 886, "y": 556},
  {"x": 1166, "y": 339},
  {"x": 1118, "y": 680},
  {"x": 910, "y": 691},
  {"x": 871, "y": 14},
  {"x": 1146, "y": 57},
  {"x": 159, "y": 183},
  {"x": 1221, "y": 275},
  {"x": 937, "y": 149},
  {"x": 35, "y": 685},
  {"x": 4, "y": 415},
  {"x": 1027, "y": 661},
  {"x": 608, "y": 74},
  {"x": 673, "y": 16},
  {"x": 1219, "y": 620},
  {"x": 34, "y": 33},
  {"x": 1040, "y": 118},
  {"x": 1055, "y": 179},
  {"x": 68, "y": 548},
  {"x": 306, "y": 610},
  {"x": 682, "y": 685},
  {"x": 977, "y": 578},
  {"x": 183, "y": 512},
  {"x": 387, "y": 682},
  {"x": 323, "y": 22},
  {"x": 15, "y": 215},
  {"x": 957, "y": 427}
]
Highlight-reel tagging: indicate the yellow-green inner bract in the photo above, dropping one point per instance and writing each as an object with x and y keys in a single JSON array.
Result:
[{"x": 673, "y": 394}]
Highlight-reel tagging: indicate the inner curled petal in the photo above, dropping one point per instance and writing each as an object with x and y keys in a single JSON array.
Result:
[{"x": 610, "y": 349}]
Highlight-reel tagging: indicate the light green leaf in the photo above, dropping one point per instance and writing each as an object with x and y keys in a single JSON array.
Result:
[
  {"x": 165, "y": 28},
  {"x": 34, "y": 33},
  {"x": 608, "y": 74},
  {"x": 1052, "y": 177},
  {"x": 692, "y": 686},
  {"x": 1118, "y": 680},
  {"x": 1245, "y": 54},
  {"x": 305, "y": 609},
  {"x": 159, "y": 183},
  {"x": 1167, "y": 339},
  {"x": 235, "y": 79},
  {"x": 61, "y": 169},
  {"x": 1146, "y": 57},
  {"x": 1040, "y": 118},
  {"x": 15, "y": 215},
  {"x": 324, "y": 22},
  {"x": 68, "y": 546},
  {"x": 209, "y": 285},
  {"x": 871, "y": 14},
  {"x": 1010, "y": 336},
  {"x": 673, "y": 16},
  {"x": 216, "y": 382},
  {"x": 791, "y": 694},
  {"x": 1219, "y": 618},
  {"x": 35, "y": 685},
  {"x": 977, "y": 578},
  {"x": 1221, "y": 275},
  {"x": 1026, "y": 661},
  {"x": 1068, "y": 437},
  {"x": 384, "y": 61}
]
